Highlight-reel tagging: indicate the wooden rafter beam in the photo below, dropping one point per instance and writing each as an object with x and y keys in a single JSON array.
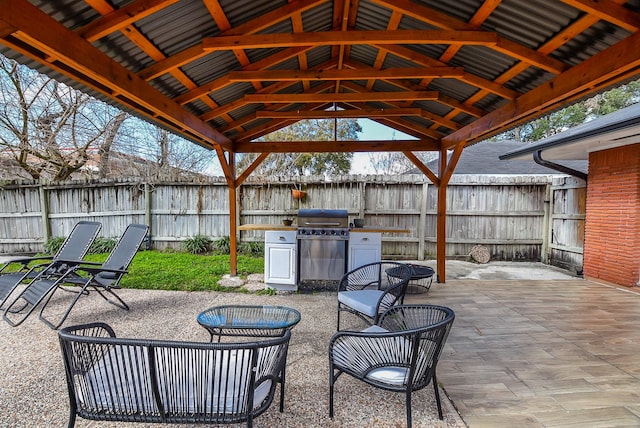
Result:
[
  {"x": 121, "y": 18},
  {"x": 339, "y": 114},
  {"x": 424, "y": 60},
  {"x": 224, "y": 81},
  {"x": 328, "y": 38},
  {"x": 248, "y": 28},
  {"x": 446, "y": 22},
  {"x": 64, "y": 51},
  {"x": 619, "y": 62},
  {"x": 334, "y": 74},
  {"x": 339, "y": 97},
  {"x": 336, "y": 146},
  {"x": 608, "y": 11}
]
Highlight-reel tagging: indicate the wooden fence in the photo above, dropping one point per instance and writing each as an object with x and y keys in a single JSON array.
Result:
[{"x": 516, "y": 217}]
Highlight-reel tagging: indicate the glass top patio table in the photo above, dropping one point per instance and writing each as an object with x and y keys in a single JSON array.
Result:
[{"x": 248, "y": 320}]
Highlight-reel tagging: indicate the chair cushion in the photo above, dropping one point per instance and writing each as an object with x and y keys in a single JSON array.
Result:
[
  {"x": 363, "y": 301},
  {"x": 390, "y": 375},
  {"x": 375, "y": 329}
]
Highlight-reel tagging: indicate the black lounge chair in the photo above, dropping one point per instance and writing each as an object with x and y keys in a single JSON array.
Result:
[
  {"x": 102, "y": 278},
  {"x": 399, "y": 353},
  {"x": 75, "y": 247},
  {"x": 369, "y": 290}
]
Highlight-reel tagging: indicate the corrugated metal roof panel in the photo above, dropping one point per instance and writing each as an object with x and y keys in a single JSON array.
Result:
[
  {"x": 319, "y": 18},
  {"x": 371, "y": 16},
  {"x": 231, "y": 93},
  {"x": 211, "y": 67},
  {"x": 179, "y": 26},
  {"x": 239, "y": 12}
]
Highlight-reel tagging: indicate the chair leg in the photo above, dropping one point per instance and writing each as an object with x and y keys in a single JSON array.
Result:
[
  {"x": 118, "y": 302},
  {"x": 282, "y": 379},
  {"x": 66, "y": 314},
  {"x": 338, "y": 323},
  {"x": 409, "y": 408},
  {"x": 331, "y": 381},
  {"x": 436, "y": 392}
]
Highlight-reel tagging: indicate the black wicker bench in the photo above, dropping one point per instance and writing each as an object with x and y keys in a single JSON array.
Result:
[{"x": 156, "y": 381}]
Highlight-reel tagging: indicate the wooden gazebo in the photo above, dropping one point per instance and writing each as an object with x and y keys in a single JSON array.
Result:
[{"x": 223, "y": 73}]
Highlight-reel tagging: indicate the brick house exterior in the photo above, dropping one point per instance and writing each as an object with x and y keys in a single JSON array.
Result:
[
  {"x": 612, "y": 230},
  {"x": 612, "y": 226}
]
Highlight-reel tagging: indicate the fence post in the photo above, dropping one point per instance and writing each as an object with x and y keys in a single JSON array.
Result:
[
  {"x": 44, "y": 211},
  {"x": 148, "y": 192},
  {"x": 362, "y": 202},
  {"x": 422, "y": 222},
  {"x": 546, "y": 225}
]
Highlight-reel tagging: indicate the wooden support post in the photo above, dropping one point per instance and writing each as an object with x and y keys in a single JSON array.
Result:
[
  {"x": 422, "y": 222},
  {"x": 441, "y": 234},
  {"x": 233, "y": 222}
]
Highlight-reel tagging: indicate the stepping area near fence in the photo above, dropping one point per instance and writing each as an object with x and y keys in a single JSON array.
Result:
[{"x": 528, "y": 353}]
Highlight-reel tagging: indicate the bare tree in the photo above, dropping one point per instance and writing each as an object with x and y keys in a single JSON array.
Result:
[{"x": 47, "y": 128}]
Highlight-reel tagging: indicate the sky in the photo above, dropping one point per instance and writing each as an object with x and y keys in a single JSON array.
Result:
[
  {"x": 361, "y": 165},
  {"x": 373, "y": 131}
]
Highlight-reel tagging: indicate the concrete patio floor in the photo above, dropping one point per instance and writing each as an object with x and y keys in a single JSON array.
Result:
[
  {"x": 552, "y": 352},
  {"x": 544, "y": 353}
]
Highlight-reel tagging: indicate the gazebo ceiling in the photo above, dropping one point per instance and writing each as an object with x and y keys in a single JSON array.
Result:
[{"x": 226, "y": 72}]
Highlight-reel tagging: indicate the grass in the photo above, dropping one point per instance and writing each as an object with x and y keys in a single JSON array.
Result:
[{"x": 182, "y": 271}]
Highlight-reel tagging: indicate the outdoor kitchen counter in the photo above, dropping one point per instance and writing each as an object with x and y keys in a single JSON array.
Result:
[
  {"x": 266, "y": 227},
  {"x": 376, "y": 229}
]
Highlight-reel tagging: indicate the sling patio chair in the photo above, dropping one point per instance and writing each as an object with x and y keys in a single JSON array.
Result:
[
  {"x": 75, "y": 247},
  {"x": 399, "y": 353},
  {"x": 103, "y": 278},
  {"x": 369, "y": 290}
]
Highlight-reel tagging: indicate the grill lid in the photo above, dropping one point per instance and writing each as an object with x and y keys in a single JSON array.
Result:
[
  {"x": 321, "y": 218},
  {"x": 322, "y": 213}
]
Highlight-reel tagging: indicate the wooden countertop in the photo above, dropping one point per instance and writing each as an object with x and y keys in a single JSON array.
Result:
[{"x": 378, "y": 229}]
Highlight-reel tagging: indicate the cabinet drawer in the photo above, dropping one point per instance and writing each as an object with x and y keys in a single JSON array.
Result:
[
  {"x": 364, "y": 238},
  {"x": 280, "y": 237}
]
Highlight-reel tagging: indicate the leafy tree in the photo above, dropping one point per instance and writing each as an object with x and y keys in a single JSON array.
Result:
[{"x": 299, "y": 164}]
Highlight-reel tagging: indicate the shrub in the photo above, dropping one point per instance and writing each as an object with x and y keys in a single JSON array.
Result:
[
  {"x": 253, "y": 249},
  {"x": 52, "y": 245},
  {"x": 198, "y": 244},
  {"x": 222, "y": 246},
  {"x": 102, "y": 245}
]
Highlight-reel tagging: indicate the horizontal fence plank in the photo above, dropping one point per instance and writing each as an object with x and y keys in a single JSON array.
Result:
[{"x": 504, "y": 213}]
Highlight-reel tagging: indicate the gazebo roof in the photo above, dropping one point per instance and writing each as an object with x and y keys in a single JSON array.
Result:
[{"x": 225, "y": 72}]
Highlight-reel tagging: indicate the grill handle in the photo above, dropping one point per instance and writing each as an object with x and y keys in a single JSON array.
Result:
[{"x": 322, "y": 224}]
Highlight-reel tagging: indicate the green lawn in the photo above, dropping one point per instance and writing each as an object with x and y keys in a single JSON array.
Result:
[{"x": 182, "y": 271}]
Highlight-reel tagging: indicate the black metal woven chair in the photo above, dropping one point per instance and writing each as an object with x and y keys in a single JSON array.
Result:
[
  {"x": 371, "y": 289},
  {"x": 103, "y": 279},
  {"x": 399, "y": 353},
  {"x": 156, "y": 381},
  {"x": 75, "y": 247}
]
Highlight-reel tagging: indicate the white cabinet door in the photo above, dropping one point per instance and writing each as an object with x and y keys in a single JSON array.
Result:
[
  {"x": 280, "y": 264},
  {"x": 280, "y": 257},
  {"x": 364, "y": 247}
]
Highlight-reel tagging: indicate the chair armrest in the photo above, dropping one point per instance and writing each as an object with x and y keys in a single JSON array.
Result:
[
  {"x": 96, "y": 270},
  {"x": 359, "y": 352}
]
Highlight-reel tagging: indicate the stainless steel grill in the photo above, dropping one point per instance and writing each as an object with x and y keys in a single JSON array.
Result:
[{"x": 322, "y": 244}]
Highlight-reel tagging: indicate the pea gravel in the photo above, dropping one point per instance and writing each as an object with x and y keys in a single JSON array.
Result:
[{"x": 32, "y": 383}]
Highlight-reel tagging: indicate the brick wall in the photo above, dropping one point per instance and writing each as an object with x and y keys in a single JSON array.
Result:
[{"x": 612, "y": 231}]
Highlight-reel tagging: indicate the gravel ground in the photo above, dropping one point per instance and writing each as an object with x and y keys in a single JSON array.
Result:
[{"x": 33, "y": 389}]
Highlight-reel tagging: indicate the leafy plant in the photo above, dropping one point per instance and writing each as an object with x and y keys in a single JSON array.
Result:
[
  {"x": 255, "y": 248},
  {"x": 222, "y": 246},
  {"x": 102, "y": 245},
  {"x": 199, "y": 244},
  {"x": 53, "y": 245}
]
